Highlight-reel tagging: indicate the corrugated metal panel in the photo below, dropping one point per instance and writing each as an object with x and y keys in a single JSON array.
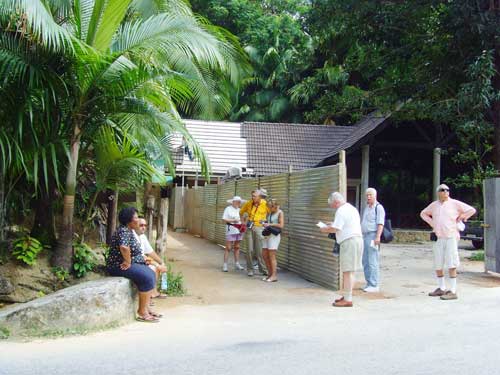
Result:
[
  {"x": 177, "y": 221},
  {"x": 188, "y": 210},
  {"x": 224, "y": 192},
  {"x": 221, "y": 141},
  {"x": 196, "y": 220},
  {"x": 244, "y": 189},
  {"x": 210, "y": 210},
  {"x": 310, "y": 252},
  {"x": 277, "y": 188}
]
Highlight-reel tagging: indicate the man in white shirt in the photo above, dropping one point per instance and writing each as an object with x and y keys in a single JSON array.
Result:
[
  {"x": 372, "y": 226},
  {"x": 152, "y": 259},
  {"x": 347, "y": 228}
]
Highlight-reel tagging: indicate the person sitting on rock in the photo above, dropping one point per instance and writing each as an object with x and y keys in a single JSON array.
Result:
[
  {"x": 125, "y": 259},
  {"x": 152, "y": 259}
]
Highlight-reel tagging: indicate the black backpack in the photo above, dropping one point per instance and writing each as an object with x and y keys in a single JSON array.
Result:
[{"x": 387, "y": 235}]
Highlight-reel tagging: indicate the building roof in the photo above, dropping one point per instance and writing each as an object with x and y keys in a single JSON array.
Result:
[
  {"x": 222, "y": 143},
  {"x": 269, "y": 148},
  {"x": 273, "y": 147},
  {"x": 369, "y": 126}
]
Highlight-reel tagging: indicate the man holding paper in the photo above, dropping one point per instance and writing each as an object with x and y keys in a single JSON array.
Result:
[
  {"x": 372, "y": 226},
  {"x": 347, "y": 228}
]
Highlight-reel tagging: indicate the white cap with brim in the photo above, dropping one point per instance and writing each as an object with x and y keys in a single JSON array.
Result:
[
  {"x": 262, "y": 192},
  {"x": 236, "y": 198},
  {"x": 442, "y": 186}
]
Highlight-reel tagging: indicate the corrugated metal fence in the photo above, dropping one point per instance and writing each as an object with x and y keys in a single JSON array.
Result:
[{"x": 303, "y": 198}]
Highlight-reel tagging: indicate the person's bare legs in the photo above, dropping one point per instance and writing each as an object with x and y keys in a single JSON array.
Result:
[
  {"x": 348, "y": 278},
  {"x": 273, "y": 263},
  {"x": 144, "y": 298},
  {"x": 227, "y": 250},
  {"x": 236, "y": 250},
  {"x": 267, "y": 260}
]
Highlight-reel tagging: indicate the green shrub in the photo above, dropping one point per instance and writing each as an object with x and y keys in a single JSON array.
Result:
[
  {"x": 175, "y": 283},
  {"x": 27, "y": 249},
  {"x": 84, "y": 259},
  {"x": 61, "y": 274},
  {"x": 477, "y": 256}
]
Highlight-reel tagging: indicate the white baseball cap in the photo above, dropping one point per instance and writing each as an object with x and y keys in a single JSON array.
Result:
[{"x": 236, "y": 198}]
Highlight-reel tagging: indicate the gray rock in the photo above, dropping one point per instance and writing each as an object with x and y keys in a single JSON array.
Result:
[
  {"x": 84, "y": 307},
  {"x": 6, "y": 286}
]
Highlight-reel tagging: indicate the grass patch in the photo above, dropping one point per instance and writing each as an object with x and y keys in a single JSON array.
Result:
[
  {"x": 477, "y": 256},
  {"x": 4, "y": 333},
  {"x": 175, "y": 283}
]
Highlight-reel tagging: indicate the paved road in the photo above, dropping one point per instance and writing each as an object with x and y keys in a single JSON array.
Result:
[{"x": 233, "y": 324}]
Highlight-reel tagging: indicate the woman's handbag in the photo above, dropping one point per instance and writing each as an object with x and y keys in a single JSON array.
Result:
[
  {"x": 271, "y": 230},
  {"x": 387, "y": 235}
]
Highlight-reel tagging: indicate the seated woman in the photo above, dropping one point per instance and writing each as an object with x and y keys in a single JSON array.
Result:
[
  {"x": 234, "y": 231},
  {"x": 125, "y": 259},
  {"x": 275, "y": 219}
]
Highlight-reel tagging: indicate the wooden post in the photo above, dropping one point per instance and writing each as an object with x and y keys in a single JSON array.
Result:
[
  {"x": 342, "y": 174},
  {"x": 161, "y": 242},
  {"x": 150, "y": 207},
  {"x": 365, "y": 173},
  {"x": 436, "y": 175}
]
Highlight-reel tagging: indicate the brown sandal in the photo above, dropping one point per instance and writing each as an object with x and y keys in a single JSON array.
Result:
[{"x": 147, "y": 319}]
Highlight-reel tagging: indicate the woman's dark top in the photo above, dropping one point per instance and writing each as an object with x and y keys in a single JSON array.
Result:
[{"x": 124, "y": 236}]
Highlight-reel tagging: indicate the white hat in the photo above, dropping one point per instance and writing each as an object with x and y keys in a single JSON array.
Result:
[
  {"x": 236, "y": 198},
  {"x": 262, "y": 192},
  {"x": 442, "y": 186}
]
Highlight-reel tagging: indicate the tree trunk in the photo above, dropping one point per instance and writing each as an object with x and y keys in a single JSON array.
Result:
[
  {"x": 63, "y": 254},
  {"x": 112, "y": 214},
  {"x": 44, "y": 225}
]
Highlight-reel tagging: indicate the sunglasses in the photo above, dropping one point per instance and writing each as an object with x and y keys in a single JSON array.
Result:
[{"x": 441, "y": 190}]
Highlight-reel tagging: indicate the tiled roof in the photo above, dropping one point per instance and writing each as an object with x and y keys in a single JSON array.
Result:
[
  {"x": 272, "y": 147},
  {"x": 370, "y": 125}
]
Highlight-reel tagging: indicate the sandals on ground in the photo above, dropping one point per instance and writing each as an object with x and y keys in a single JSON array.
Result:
[
  {"x": 155, "y": 315},
  {"x": 147, "y": 318}
]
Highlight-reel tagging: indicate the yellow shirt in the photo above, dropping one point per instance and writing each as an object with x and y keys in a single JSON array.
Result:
[{"x": 255, "y": 214}]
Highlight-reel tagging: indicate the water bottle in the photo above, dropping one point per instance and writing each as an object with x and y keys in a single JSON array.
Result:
[{"x": 164, "y": 281}]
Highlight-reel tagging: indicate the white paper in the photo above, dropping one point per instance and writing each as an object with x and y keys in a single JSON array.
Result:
[
  {"x": 461, "y": 226},
  {"x": 321, "y": 224},
  {"x": 372, "y": 243}
]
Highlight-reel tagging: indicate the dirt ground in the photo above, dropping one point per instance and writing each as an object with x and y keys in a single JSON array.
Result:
[{"x": 406, "y": 272}]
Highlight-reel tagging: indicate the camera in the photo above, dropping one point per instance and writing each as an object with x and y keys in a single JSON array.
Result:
[{"x": 249, "y": 224}]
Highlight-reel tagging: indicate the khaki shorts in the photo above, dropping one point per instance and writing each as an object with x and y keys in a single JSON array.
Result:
[
  {"x": 351, "y": 254},
  {"x": 446, "y": 253}
]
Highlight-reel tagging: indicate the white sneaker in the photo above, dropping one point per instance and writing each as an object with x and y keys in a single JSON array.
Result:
[
  {"x": 372, "y": 289},
  {"x": 238, "y": 267},
  {"x": 250, "y": 273},
  {"x": 224, "y": 267},
  {"x": 256, "y": 266}
]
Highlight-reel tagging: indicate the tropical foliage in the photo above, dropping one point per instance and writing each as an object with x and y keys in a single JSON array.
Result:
[{"x": 77, "y": 74}]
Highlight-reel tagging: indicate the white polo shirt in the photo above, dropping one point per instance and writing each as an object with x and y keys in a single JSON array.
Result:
[
  {"x": 146, "y": 247},
  {"x": 347, "y": 222}
]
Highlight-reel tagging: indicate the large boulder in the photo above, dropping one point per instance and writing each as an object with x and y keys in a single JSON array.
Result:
[
  {"x": 6, "y": 286},
  {"x": 84, "y": 307}
]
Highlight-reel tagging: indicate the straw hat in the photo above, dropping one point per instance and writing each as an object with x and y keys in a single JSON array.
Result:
[{"x": 236, "y": 198}]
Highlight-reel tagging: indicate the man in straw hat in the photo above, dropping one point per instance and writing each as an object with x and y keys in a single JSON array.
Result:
[
  {"x": 254, "y": 213},
  {"x": 234, "y": 231},
  {"x": 445, "y": 216}
]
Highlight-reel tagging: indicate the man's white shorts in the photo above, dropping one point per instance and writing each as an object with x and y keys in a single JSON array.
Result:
[{"x": 446, "y": 253}]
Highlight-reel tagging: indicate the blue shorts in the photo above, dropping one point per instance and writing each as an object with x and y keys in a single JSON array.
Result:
[{"x": 140, "y": 274}]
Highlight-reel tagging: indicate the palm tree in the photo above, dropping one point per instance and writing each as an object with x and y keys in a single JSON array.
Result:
[{"x": 126, "y": 71}]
